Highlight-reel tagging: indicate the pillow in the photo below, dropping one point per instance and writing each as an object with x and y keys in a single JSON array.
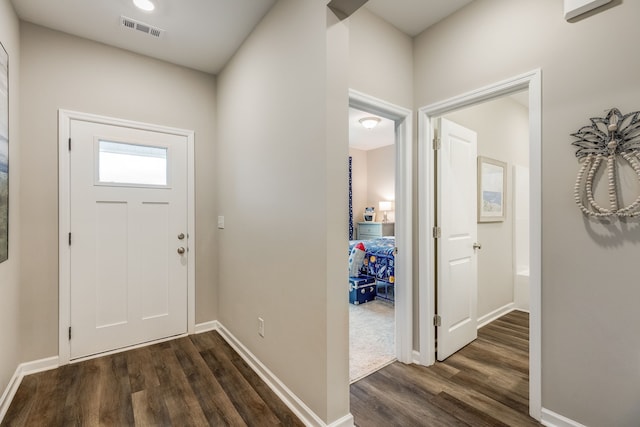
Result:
[{"x": 356, "y": 259}]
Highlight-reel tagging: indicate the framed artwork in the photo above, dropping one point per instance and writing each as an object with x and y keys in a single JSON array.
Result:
[
  {"x": 492, "y": 186},
  {"x": 4, "y": 154}
]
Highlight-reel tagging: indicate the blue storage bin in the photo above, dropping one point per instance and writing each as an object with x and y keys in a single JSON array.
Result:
[{"x": 362, "y": 289}]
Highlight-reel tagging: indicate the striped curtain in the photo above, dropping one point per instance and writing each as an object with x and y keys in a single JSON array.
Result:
[{"x": 350, "y": 201}]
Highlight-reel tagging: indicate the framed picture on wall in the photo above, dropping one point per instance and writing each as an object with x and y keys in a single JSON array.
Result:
[
  {"x": 492, "y": 186},
  {"x": 4, "y": 154}
]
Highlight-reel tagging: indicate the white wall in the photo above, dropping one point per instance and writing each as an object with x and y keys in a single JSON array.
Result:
[
  {"x": 502, "y": 126},
  {"x": 10, "y": 339},
  {"x": 373, "y": 179},
  {"x": 590, "y": 340},
  {"x": 63, "y": 71},
  {"x": 380, "y": 59},
  {"x": 282, "y": 174},
  {"x": 381, "y": 178}
]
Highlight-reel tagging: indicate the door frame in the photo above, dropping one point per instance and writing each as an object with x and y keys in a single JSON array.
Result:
[
  {"x": 403, "y": 120},
  {"x": 532, "y": 81},
  {"x": 64, "y": 218}
]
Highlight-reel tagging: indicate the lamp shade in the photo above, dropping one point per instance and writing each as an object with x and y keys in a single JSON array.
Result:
[{"x": 385, "y": 206}]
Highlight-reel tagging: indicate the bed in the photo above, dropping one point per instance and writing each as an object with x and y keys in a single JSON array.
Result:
[{"x": 379, "y": 263}]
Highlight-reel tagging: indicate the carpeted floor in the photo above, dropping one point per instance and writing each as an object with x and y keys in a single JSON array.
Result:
[{"x": 371, "y": 338}]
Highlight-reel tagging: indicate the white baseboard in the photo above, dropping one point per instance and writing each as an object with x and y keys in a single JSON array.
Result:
[
  {"x": 551, "y": 419},
  {"x": 490, "y": 317},
  {"x": 213, "y": 325},
  {"x": 416, "y": 357},
  {"x": 297, "y": 406},
  {"x": 23, "y": 369},
  {"x": 346, "y": 421}
]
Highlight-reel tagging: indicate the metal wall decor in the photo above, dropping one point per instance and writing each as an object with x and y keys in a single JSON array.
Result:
[{"x": 605, "y": 141}]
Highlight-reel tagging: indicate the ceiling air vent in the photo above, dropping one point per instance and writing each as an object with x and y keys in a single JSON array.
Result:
[{"x": 132, "y": 24}]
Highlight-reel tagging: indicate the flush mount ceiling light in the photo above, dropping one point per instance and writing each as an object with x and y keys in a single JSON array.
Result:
[
  {"x": 145, "y": 5},
  {"x": 369, "y": 122}
]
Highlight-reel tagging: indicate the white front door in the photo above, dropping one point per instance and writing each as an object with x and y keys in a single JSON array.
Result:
[
  {"x": 128, "y": 269},
  {"x": 457, "y": 276}
]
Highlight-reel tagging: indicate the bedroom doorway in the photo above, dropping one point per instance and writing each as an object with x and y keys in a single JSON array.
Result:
[
  {"x": 429, "y": 200},
  {"x": 381, "y": 180}
]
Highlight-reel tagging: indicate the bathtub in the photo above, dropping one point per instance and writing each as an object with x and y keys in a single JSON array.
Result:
[{"x": 521, "y": 289}]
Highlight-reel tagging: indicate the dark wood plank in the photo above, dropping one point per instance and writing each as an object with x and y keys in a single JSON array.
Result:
[
  {"x": 215, "y": 403},
  {"x": 245, "y": 399},
  {"x": 23, "y": 402},
  {"x": 182, "y": 405},
  {"x": 484, "y": 384},
  {"x": 274, "y": 403},
  {"x": 115, "y": 391},
  {"x": 50, "y": 397},
  {"x": 192, "y": 381},
  {"x": 82, "y": 406}
]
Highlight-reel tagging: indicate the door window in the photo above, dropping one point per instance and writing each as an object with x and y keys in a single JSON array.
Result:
[{"x": 131, "y": 164}]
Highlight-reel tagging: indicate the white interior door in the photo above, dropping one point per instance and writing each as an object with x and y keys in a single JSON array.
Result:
[
  {"x": 457, "y": 277},
  {"x": 128, "y": 192}
]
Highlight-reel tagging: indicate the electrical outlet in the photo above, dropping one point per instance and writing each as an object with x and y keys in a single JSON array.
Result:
[{"x": 261, "y": 327}]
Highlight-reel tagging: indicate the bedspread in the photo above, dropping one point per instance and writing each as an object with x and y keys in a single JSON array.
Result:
[{"x": 379, "y": 260}]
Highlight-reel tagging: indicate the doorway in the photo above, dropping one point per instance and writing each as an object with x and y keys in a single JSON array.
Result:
[
  {"x": 529, "y": 81},
  {"x": 126, "y": 268},
  {"x": 372, "y": 281},
  {"x": 402, "y": 289}
]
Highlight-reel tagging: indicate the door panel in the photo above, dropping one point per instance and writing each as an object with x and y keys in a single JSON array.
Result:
[
  {"x": 457, "y": 281},
  {"x": 128, "y": 192}
]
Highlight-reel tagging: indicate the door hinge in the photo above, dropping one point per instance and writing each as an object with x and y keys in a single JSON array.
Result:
[
  {"x": 69, "y": 239},
  {"x": 69, "y": 333},
  {"x": 437, "y": 320},
  {"x": 436, "y": 232},
  {"x": 69, "y": 144},
  {"x": 437, "y": 143}
]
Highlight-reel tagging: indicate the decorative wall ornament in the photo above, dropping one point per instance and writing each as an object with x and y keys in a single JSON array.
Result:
[{"x": 602, "y": 143}]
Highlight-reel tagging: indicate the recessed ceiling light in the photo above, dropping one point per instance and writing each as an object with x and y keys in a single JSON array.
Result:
[{"x": 145, "y": 5}]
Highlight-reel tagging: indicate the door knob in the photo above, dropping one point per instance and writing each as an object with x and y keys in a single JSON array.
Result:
[
  {"x": 477, "y": 246},
  {"x": 180, "y": 250},
  {"x": 181, "y": 236}
]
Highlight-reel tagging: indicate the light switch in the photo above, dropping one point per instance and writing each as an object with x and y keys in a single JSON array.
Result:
[{"x": 221, "y": 222}]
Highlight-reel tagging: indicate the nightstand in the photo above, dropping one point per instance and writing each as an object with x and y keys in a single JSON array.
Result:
[{"x": 372, "y": 230}]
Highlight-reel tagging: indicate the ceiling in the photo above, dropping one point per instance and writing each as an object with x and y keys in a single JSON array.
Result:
[
  {"x": 199, "y": 34},
  {"x": 414, "y": 16},
  {"x": 369, "y": 139}
]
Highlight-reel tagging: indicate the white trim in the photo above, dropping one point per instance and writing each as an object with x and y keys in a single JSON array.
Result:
[
  {"x": 403, "y": 119},
  {"x": 64, "y": 217},
  {"x": 22, "y": 370},
  {"x": 212, "y": 325},
  {"x": 346, "y": 421},
  {"x": 551, "y": 419},
  {"x": 293, "y": 402},
  {"x": 416, "y": 357},
  {"x": 533, "y": 82},
  {"x": 496, "y": 314}
]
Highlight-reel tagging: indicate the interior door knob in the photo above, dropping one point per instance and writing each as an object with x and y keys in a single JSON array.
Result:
[
  {"x": 477, "y": 245},
  {"x": 180, "y": 250}
]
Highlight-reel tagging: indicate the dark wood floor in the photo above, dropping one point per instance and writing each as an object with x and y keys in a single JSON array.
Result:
[
  {"x": 199, "y": 381},
  {"x": 484, "y": 384},
  {"x": 194, "y": 381}
]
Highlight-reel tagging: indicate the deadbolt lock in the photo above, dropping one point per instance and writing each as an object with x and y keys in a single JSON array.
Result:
[{"x": 181, "y": 236}]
